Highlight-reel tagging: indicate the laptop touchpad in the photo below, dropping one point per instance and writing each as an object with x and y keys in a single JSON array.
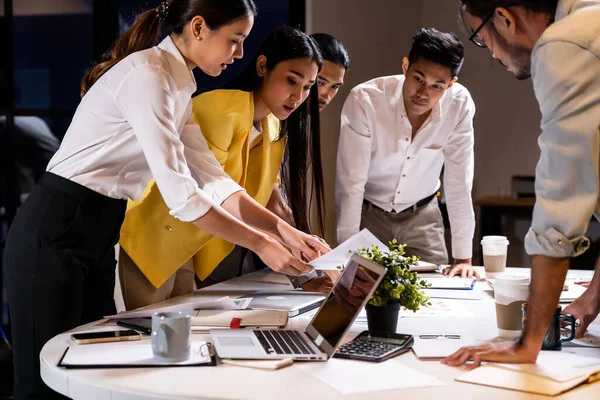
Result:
[{"x": 235, "y": 341}]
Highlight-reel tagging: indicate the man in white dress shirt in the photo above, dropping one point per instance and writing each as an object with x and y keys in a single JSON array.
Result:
[
  {"x": 557, "y": 44},
  {"x": 397, "y": 133}
]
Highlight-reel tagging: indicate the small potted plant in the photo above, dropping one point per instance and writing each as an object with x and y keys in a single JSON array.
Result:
[{"x": 400, "y": 287}]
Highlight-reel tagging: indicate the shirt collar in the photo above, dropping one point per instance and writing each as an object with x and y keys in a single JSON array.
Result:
[{"x": 181, "y": 74}]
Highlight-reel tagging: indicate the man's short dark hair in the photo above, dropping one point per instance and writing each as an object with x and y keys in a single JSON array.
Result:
[
  {"x": 483, "y": 8},
  {"x": 332, "y": 49},
  {"x": 438, "y": 47}
]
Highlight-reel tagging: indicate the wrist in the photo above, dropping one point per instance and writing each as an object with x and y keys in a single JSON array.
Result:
[
  {"x": 462, "y": 261},
  {"x": 258, "y": 242}
]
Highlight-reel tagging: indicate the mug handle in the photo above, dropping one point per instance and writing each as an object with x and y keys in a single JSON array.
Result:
[
  {"x": 571, "y": 319},
  {"x": 161, "y": 340}
]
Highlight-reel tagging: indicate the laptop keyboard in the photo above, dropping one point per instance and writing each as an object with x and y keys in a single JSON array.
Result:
[{"x": 283, "y": 342}]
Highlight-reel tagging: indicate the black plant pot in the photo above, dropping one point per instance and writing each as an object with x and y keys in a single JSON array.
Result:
[{"x": 383, "y": 319}]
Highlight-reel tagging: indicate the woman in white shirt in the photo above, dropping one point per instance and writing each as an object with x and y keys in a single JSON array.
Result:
[{"x": 131, "y": 125}]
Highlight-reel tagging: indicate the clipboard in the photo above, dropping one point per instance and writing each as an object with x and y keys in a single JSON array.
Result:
[{"x": 131, "y": 355}]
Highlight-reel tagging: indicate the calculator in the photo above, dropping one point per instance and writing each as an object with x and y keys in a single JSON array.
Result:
[{"x": 375, "y": 346}]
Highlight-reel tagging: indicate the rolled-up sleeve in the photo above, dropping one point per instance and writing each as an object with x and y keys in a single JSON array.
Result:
[
  {"x": 567, "y": 86},
  {"x": 204, "y": 166},
  {"x": 147, "y": 103},
  {"x": 458, "y": 182},
  {"x": 353, "y": 161}
]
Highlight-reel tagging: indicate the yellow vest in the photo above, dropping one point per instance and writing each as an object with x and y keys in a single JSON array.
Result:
[{"x": 159, "y": 243}]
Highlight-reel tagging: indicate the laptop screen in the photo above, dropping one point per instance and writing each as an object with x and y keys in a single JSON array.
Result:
[{"x": 351, "y": 292}]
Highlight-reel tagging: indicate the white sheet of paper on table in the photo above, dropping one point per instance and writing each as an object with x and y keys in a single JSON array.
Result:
[
  {"x": 557, "y": 365},
  {"x": 224, "y": 303},
  {"x": 350, "y": 376},
  {"x": 439, "y": 308}
]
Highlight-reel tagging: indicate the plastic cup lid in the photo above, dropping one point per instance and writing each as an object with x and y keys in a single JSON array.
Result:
[
  {"x": 511, "y": 280},
  {"x": 495, "y": 240}
]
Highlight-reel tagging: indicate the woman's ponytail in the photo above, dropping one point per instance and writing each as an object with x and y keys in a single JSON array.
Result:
[{"x": 140, "y": 36}]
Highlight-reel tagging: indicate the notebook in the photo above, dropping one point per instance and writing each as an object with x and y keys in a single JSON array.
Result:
[
  {"x": 136, "y": 354},
  {"x": 553, "y": 373},
  {"x": 224, "y": 318}
]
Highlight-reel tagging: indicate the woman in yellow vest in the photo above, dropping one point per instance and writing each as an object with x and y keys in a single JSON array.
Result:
[{"x": 253, "y": 125}]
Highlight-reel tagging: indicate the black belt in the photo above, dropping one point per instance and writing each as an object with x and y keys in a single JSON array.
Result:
[{"x": 413, "y": 208}]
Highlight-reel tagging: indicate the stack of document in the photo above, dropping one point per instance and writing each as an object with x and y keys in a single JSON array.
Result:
[
  {"x": 553, "y": 374},
  {"x": 224, "y": 303},
  {"x": 246, "y": 318}
]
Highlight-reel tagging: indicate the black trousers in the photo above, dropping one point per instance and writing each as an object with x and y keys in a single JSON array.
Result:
[{"x": 59, "y": 268}]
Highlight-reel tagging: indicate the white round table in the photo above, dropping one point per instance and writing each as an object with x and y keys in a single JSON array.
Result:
[{"x": 232, "y": 382}]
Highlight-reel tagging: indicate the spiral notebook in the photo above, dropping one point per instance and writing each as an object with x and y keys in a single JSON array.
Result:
[{"x": 136, "y": 354}]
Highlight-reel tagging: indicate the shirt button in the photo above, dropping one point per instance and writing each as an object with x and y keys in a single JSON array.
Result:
[
  {"x": 404, "y": 175},
  {"x": 560, "y": 242},
  {"x": 169, "y": 228},
  {"x": 398, "y": 192},
  {"x": 407, "y": 139},
  {"x": 393, "y": 204},
  {"x": 408, "y": 158}
]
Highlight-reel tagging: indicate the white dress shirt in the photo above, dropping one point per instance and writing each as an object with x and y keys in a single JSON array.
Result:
[
  {"x": 567, "y": 176},
  {"x": 378, "y": 160},
  {"x": 133, "y": 125}
]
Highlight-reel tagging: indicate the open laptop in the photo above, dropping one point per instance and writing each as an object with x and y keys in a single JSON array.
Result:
[
  {"x": 294, "y": 302},
  {"x": 325, "y": 331}
]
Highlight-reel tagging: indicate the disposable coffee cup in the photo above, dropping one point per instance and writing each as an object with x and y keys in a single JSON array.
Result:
[
  {"x": 494, "y": 249},
  {"x": 510, "y": 292}
]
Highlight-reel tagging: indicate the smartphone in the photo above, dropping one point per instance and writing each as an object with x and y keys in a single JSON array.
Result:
[{"x": 105, "y": 336}]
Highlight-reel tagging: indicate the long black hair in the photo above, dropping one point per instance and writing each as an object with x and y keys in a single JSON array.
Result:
[
  {"x": 301, "y": 128},
  {"x": 173, "y": 13}
]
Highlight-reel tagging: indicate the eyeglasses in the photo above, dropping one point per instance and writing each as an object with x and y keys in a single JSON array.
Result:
[{"x": 475, "y": 37}]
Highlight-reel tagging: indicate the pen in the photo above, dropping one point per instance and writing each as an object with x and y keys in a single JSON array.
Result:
[{"x": 136, "y": 328}]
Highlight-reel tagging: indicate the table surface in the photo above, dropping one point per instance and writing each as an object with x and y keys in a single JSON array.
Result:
[{"x": 232, "y": 382}]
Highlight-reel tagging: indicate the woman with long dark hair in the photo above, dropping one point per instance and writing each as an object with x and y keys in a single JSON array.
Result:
[
  {"x": 267, "y": 115},
  {"x": 131, "y": 125}
]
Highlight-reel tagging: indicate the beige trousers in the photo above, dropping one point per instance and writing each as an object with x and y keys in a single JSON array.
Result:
[
  {"x": 139, "y": 292},
  {"x": 422, "y": 231}
]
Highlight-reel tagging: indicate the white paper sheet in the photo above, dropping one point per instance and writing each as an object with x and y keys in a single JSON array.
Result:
[
  {"x": 439, "y": 308},
  {"x": 342, "y": 253},
  {"x": 224, "y": 303},
  {"x": 451, "y": 283},
  {"x": 350, "y": 376},
  {"x": 454, "y": 294},
  {"x": 558, "y": 366},
  {"x": 128, "y": 353}
]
